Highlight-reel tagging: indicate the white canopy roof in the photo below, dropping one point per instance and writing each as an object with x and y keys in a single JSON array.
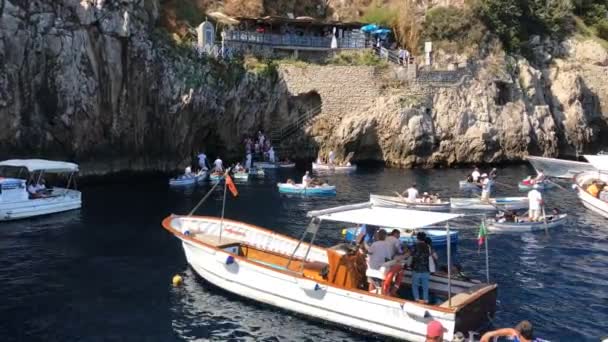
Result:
[
  {"x": 41, "y": 164},
  {"x": 366, "y": 213},
  {"x": 599, "y": 161}
]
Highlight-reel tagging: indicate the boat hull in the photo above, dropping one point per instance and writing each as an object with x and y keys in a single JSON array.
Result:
[
  {"x": 70, "y": 200},
  {"x": 504, "y": 203},
  {"x": 188, "y": 181},
  {"x": 325, "y": 167},
  {"x": 465, "y": 185},
  {"x": 523, "y": 227},
  {"x": 592, "y": 203},
  {"x": 265, "y": 165},
  {"x": 559, "y": 168},
  {"x": 299, "y": 190},
  {"x": 243, "y": 176},
  {"x": 541, "y": 186},
  {"x": 397, "y": 202}
]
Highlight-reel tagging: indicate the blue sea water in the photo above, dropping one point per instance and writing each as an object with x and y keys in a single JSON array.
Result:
[{"x": 103, "y": 272}]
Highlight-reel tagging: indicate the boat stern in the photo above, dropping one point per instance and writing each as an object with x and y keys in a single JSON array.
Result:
[{"x": 476, "y": 308}]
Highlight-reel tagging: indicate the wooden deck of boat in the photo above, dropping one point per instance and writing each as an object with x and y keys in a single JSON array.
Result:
[{"x": 214, "y": 240}]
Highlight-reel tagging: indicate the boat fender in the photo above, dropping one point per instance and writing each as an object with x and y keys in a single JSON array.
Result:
[
  {"x": 309, "y": 285},
  {"x": 177, "y": 280},
  {"x": 573, "y": 186},
  {"x": 393, "y": 278},
  {"x": 230, "y": 260},
  {"x": 411, "y": 309}
]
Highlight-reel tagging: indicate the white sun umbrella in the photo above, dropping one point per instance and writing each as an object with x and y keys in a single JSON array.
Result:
[{"x": 334, "y": 41}]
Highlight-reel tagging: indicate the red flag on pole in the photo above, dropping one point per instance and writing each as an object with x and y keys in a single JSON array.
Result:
[{"x": 231, "y": 186}]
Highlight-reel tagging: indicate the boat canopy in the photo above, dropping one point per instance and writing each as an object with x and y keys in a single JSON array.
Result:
[
  {"x": 49, "y": 166},
  {"x": 599, "y": 161},
  {"x": 367, "y": 213}
]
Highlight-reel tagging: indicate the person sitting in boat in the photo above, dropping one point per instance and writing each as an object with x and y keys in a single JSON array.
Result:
[
  {"x": 594, "y": 189},
  {"x": 475, "y": 175},
  {"x": 306, "y": 179},
  {"x": 290, "y": 181},
  {"x": 239, "y": 168},
  {"x": 248, "y": 161},
  {"x": 412, "y": 193},
  {"x": 603, "y": 195},
  {"x": 540, "y": 177},
  {"x": 188, "y": 172},
  {"x": 324, "y": 183},
  {"x": 377, "y": 254},
  {"x": 219, "y": 165},
  {"x": 535, "y": 201},
  {"x": 426, "y": 198},
  {"x": 523, "y": 332},
  {"x": 331, "y": 158}
]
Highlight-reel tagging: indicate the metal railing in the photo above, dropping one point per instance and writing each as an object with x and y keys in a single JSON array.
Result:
[
  {"x": 275, "y": 39},
  {"x": 277, "y": 135}
]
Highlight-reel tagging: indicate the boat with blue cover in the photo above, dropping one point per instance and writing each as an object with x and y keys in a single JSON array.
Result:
[
  {"x": 322, "y": 190},
  {"x": 439, "y": 237}
]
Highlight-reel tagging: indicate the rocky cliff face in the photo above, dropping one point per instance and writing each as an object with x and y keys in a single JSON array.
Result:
[
  {"x": 92, "y": 81},
  {"x": 89, "y": 81}
]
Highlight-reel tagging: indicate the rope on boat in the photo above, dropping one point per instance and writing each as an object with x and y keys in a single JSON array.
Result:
[{"x": 204, "y": 198}]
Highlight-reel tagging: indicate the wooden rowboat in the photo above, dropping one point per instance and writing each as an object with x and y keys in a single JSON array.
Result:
[
  {"x": 286, "y": 188},
  {"x": 337, "y": 168},
  {"x": 505, "y": 203},
  {"x": 466, "y": 185},
  {"x": 553, "y": 221},
  {"x": 527, "y": 185},
  {"x": 394, "y": 201}
]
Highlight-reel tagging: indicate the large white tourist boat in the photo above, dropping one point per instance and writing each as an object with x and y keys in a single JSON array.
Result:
[
  {"x": 17, "y": 203},
  {"x": 582, "y": 182},
  {"x": 330, "y": 283},
  {"x": 561, "y": 168}
]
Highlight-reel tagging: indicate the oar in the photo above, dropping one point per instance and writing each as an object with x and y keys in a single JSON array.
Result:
[
  {"x": 557, "y": 185},
  {"x": 400, "y": 197},
  {"x": 545, "y": 220}
]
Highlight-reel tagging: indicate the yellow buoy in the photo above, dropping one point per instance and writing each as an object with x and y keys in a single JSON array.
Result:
[{"x": 177, "y": 280}]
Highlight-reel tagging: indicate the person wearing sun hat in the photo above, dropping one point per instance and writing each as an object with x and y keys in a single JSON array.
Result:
[
  {"x": 535, "y": 201},
  {"x": 434, "y": 331}
]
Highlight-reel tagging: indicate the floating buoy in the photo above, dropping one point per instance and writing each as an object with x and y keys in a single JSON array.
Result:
[{"x": 177, "y": 280}]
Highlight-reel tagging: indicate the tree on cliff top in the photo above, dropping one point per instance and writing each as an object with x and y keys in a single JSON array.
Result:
[{"x": 244, "y": 8}]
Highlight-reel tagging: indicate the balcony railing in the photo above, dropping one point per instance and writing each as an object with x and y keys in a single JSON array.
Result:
[{"x": 275, "y": 39}]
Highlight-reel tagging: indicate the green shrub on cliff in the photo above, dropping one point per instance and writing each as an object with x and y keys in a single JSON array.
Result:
[
  {"x": 602, "y": 29},
  {"x": 452, "y": 28},
  {"x": 356, "y": 58}
]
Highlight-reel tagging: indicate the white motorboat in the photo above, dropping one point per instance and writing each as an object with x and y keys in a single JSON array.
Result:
[
  {"x": 551, "y": 221},
  {"x": 17, "y": 203},
  {"x": 325, "y": 283},
  {"x": 401, "y": 202},
  {"x": 581, "y": 182},
  {"x": 561, "y": 168},
  {"x": 499, "y": 203},
  {"x": 336, "y": 168}
]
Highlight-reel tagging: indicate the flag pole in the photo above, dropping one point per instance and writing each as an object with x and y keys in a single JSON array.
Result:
[
  {"x": 447, "y": 228},
  {"x": 487, "y": 255}
]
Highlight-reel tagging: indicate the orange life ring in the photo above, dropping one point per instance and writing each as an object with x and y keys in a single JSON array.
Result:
[{"x": 394, "y": 277}]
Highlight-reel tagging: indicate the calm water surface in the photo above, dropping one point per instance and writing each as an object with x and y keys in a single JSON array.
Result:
[{"x": 103, "y": 273}]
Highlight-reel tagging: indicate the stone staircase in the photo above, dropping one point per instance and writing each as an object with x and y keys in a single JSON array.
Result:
[{"x": 279, "y": 134}]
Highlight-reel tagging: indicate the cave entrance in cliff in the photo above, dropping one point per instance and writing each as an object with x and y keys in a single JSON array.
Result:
[
  {"x": 503, "y": 93},
  {"x": 305, "y": 103}
]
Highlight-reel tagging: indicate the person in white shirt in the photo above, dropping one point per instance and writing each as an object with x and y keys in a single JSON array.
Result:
[
  {"x": 188, "y": 171},
  {"x": 271, "y": 155},
  {"x": 306, "y": 179},
  {"x": 395, "y": 243},
  {"x": 535, "y": 200},
  {"x": 540, "y": 177},
  {"x": 219, "y": 165},
  {"x": 202, "y": 161},
  {"x": 487, "y": 185},
  {"x": 31, "y": 188},
  {"x": 248, "y": 161},
  {"x": 377, "y": 254},
  {"x": 331, "y": 158},
  {"x": 412, "y": 193},
  {"x": 475, "y": 175}
]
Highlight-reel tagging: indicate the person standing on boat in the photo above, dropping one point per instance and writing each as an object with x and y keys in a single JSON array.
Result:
[
  {"x": 331, "y": 158},
  {"x": 487, "y": 184},
  {"x": 219, "y": 165},
  {"x": 420, "y": 268},
  {"x": 248, "y": 161},
  {"x": 523, "y": 332},
  {"x": 535, "y": 201},
  {"x": 306, "y": 179},
  {"x": 395, "y": 243},
  {"x": 475, "y": 175},
  {"x": 412, "y": 193},
  {"x": 377, "y": 254},
  {"x": 202, "y": 161},
  {"x": 271, "y": 157}
]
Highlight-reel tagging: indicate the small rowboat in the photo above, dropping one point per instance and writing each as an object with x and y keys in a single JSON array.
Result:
[
  {"x": 265, "y": 165},
  {"x": 505, "y": 203},
  {"x": 466, "y": 185},
  {"x": 527, "y": 185},
  {"x": 553, "y": 221},
  {"x": 286, "y": 165},
  {"x": 184, "y": 180},
  {"x": 408, "y": 236},
  {"x": 241, "y": 175},
  {"x": 216, "y": 177},
  {"x": 286, "y": 188},
  {"x": 257, "y": 172},
  {"x": 400, "y": 202},
  {"x": 337, "y": 168}
]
